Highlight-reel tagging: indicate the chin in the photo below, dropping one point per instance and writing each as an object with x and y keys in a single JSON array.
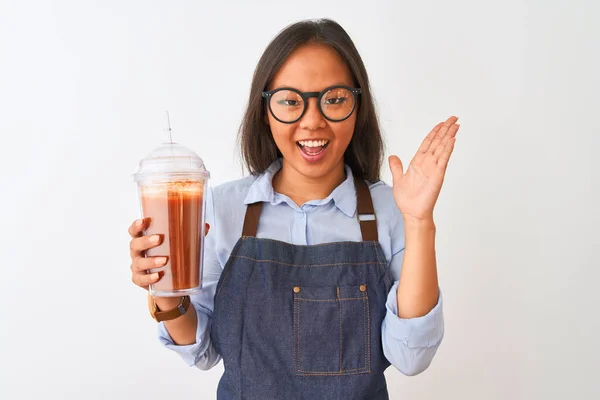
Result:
[{"x": 314, "y": 170}]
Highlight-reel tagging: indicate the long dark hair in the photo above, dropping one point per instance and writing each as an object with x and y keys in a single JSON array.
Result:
[{"x": 365, "y": 151}]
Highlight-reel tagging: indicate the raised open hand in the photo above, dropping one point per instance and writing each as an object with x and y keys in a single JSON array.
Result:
[{"x": 417, "y": 190}]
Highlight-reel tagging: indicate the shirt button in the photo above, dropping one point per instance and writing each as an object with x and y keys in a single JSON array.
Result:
[
  {"x": 363, "y": 288},
  {"x": 296, "y": 289}
]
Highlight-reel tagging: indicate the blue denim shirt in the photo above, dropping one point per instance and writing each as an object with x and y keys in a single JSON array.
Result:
[{"x": 409, "y": 344}]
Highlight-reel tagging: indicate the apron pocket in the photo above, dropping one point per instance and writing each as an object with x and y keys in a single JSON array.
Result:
[{"x": 332, "y": 330}]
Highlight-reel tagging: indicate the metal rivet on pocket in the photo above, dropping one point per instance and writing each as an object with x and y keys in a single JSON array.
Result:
[
  {"x": 296, "y": 289},
  {"x": 363, "y": 288}
]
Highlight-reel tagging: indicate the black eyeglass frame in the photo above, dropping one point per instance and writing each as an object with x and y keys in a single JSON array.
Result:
[{"x": 307, "y": 95}]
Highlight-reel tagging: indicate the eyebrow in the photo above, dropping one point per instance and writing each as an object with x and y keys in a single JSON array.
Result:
[{"x": 293, "y": 87}]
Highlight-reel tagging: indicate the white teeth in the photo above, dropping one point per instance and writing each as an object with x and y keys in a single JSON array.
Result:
[{"x": 313, "y": 143}]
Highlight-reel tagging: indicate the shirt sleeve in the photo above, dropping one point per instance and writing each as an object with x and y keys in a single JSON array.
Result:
[
  {"x": 409, "y": 344},
  {"x": 201, "y": 354}
]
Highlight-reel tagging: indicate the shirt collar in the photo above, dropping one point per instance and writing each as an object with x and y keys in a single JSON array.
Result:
[{"x": 343, "y": 196}]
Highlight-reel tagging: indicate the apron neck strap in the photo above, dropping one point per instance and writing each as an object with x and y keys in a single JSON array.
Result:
[
  {"x": 251, "y": 219},
  {"x": 365, "y": 214}
]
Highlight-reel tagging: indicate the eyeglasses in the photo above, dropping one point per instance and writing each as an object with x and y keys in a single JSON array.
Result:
[{"x": 288, "y": 105}]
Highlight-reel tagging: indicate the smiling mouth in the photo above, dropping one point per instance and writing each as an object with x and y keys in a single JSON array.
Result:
[{"x": 312, "y": 147}]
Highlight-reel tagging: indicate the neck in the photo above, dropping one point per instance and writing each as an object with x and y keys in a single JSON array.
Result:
[{"x": 301, "y": 188}]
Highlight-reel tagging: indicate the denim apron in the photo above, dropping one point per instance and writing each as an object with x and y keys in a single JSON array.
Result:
[{"x": 303, "y": 322}]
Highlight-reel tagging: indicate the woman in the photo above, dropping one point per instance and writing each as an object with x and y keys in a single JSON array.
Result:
[{"x": 317, "y": 274}]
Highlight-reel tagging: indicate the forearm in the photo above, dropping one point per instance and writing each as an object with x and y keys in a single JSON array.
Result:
[
  {"x": 418, "y": 287},
  {"x": 181, "y": 329}
]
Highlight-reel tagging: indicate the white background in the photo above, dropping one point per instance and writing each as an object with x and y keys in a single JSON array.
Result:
[{"x": 83, "y": 87}]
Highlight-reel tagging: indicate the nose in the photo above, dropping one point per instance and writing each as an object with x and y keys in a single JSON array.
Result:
[{"x": 312, "y": 118}]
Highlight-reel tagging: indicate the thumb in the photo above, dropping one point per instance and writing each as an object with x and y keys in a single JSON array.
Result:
[{"x": 396, "y": 168}]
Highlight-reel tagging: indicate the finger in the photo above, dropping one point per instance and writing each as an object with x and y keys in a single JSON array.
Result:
[
  {"x": 442, "y": 145},
  {"x": 137, "y": 227},
  {"x": 442, "y": 162},
  {"x": 206, "y": 229},
  {"x": 441, "y": 133},
  {"x": 143, "y": 264},
  {"x": 427, "y": 142},
  {"x": 396, "y": 168},
  {"x": 143, "y": 280},
  {"x": 138, "y": 245}
]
